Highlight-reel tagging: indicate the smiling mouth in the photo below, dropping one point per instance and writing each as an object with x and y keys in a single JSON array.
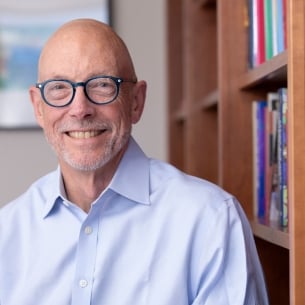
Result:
[{"x": 84, "y": 134}]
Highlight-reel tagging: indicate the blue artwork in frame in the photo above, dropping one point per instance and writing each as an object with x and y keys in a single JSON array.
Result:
[{"x": 22, "y": 35}]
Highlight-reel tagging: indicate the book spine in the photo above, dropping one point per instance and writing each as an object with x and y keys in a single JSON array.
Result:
[
  {"x": 256, "y": 32},
  {"x": 282, "y": 153},
  {"x": 259, "y": 142},
  {"x": 268, "y": 29},
  {"x": 261, "y": 54},
  {"x": 284, "y": 5},
  {"x": 270, "y": 131},
  {"x": 252, "y": 33},
  {"x": 273, "y": 105},
  {"x": 255, "y": 158},
  {"x": 274, "y": 28},
  {"x": 280, "y": 26}
]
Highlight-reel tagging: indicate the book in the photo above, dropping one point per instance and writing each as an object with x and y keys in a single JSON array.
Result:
[
  {"x": 252, "y": 47},
  {"x": 261, "y": 54},
  {"x": 268, "y": 29},
  {"x": 280, "y": 26},
  {"x": 284, "y": 6},
  {"x": 282, "y": 157},
  {"x": 256, "y": 33},
  {"x": 258, "y": 117},
  {"x": 255, "y": 158},
  {"x": 274, "y": 27},
  {"x": 272, "y": 204}
]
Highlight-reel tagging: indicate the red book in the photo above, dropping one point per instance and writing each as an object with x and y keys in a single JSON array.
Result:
[{"x": 261, "y": 55}]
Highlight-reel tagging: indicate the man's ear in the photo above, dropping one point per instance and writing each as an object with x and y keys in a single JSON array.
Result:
[
  {"x": 37, "y": 104},
  {"x": 139, "y": 96}
]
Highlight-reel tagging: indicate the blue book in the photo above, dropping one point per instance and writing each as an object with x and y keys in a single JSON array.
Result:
[
  {"x": 280, "y": 26},
  {"x": 259, "y": 157}
]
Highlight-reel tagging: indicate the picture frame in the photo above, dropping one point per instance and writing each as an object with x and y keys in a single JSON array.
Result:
[{"x": 23, "y": 33}]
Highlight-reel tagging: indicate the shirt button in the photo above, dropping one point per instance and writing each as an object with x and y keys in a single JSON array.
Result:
[
  {"x": 83, "y": 283},
  {"x": 88, "y": 230}
]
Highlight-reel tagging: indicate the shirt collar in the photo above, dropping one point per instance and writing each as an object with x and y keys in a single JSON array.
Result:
[
  {"x": 52, "y": 190},
  {"x": 131, "y": 179}
]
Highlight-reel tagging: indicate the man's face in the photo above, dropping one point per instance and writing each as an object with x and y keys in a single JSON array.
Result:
[{"x": 86, "y": 136}]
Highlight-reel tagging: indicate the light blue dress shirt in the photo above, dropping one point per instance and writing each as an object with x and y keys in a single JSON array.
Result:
[{"x": 155, "y": 236}]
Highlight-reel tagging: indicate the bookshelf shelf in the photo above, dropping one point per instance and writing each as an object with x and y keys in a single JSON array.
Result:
[
  {"x": 210, "y": 101},
  {"x": 271, "y": 232},
  {"x": 179, "y": 116},
  {"x": 205, "y": 2},
  {"x": 270, "y": 72}
]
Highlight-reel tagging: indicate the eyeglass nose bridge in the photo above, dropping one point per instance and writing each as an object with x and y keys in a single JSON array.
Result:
[{"x": 79, "y": 84}]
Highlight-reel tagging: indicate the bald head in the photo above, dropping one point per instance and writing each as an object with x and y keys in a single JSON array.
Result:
[{"x": 85, "y": 45}]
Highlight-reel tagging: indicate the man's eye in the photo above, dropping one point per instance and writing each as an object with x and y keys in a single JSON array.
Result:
[{"x": 59, "y": 86}]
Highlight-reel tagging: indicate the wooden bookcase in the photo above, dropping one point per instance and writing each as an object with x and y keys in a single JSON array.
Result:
[{"x": 211, "y": 90}]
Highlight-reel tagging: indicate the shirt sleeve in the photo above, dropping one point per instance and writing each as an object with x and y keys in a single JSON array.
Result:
[{"x": 231, "y": 273}]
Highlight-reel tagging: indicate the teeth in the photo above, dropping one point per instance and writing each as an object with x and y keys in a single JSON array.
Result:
[{"x": 84, "y": 134}]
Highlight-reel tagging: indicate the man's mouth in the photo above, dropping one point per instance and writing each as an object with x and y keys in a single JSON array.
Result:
[{"x": 84, "y": 134}]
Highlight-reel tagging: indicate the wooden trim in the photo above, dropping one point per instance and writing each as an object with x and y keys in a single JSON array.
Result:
[{"x": 296, "y": 149}]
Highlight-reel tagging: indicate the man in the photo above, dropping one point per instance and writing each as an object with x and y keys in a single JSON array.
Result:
[{"x": 111, "y": 226}]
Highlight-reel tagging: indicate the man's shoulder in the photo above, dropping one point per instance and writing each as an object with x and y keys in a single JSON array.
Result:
[
  {"x": 183, "y": 185},
  {"x": 36, "y": 193}
]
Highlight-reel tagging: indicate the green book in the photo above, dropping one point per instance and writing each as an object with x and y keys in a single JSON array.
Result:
[{"x": 268, "y": 28}]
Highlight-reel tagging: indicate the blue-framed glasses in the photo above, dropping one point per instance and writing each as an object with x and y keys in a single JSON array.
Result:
[{"x": 99, "y": 90}]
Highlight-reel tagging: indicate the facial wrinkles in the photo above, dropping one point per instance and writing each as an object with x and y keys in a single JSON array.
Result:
[{"x": 90, "y": 156}]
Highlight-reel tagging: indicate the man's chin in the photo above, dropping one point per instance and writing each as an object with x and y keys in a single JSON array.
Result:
[{"x": 86, "y": 166}]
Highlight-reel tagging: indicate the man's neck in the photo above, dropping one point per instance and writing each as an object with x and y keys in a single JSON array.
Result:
[{"x": 84, "y": 187}]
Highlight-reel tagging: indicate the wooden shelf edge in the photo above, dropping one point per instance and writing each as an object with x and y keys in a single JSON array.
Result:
[
  {"x": 210, "y": 101},
  {"x": 273, "y": 70},
  {"x": 179, "y": 116},
  {"x": 271, "y": 232},
  {"x": 204, "y": 3}
]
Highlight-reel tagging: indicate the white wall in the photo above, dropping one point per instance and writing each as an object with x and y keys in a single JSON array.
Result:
[
  {"x": 25, "y": 155},
  {"x": 142, "y": 26}
]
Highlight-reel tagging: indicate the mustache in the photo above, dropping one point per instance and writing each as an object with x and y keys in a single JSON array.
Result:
[{"x": 86, "y": 124}]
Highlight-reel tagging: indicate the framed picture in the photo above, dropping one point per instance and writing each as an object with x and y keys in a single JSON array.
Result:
[{"x": 23, "y": 32}]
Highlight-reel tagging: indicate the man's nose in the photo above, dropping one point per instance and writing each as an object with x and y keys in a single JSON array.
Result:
[{"x": 81, "y": 107}]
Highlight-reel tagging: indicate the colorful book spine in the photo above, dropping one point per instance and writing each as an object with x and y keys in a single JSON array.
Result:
[
  {"x": 261, "y": 54},
  {"x": 270, "y": 146},
  {"x": 280, "y": 26},
  {"x": 282, "y": 157},
  {"x": 259, "y": 157},
  {"x": 252, "y": 33},
  {"x": 273, "y": 105},
  {"x": 274, "y": 18},
  {"x": 284, "y": 5},
  {"x": 268, "y": 29},
  {"x": 256, "y": 33}
]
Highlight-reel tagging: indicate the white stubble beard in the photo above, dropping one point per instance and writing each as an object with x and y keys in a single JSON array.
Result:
[{"x": 111, "y": 148}]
